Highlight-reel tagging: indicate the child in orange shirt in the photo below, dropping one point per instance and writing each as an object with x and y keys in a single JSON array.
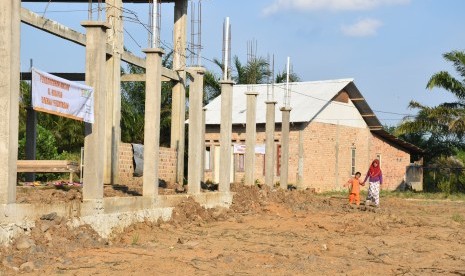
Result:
[{"x": 354, "y": 188}]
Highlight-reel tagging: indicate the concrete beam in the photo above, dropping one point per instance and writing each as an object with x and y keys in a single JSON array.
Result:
[
  {"x": 140, "y": 77},
  {"x": 95, "y": 1},
  {"x": 52, "y": 27},
  {"x": 82, "y": 77}
]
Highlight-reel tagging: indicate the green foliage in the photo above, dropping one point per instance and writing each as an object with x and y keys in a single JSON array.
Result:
[
  {"x": 135, "y": 239},
  {"x": 69, "y": 132},
  {"x": 46, "y": 145},
  {"x": 445, "y": 175},
  {"x": 281, "y": 77},
  {"x": 447, "y": 120},
  {"x": 458, "y": 218},
  {"x": 212, "y": 87},
  {"x": 133, "y": 107},
  {"x": 440, "y": 129},
  {"x": 46, "y": 149}
]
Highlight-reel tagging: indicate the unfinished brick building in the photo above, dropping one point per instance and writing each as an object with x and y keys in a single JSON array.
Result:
[{"x": 333, "y": 134}]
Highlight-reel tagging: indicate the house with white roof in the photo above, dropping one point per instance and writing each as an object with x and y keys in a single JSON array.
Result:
[{"x": 333, "y": 134}]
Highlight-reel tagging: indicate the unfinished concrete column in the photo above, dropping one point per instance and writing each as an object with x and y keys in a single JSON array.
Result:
[
  {"x": 250, "y": 138},
  {"x": 300, "y": 167},
  {"x": 152, "y": 121},
  {"x": 9, "y": 97},
  {"x": 286, "y": 113},
  {"x": 113, "y": 101},
  {"x": 225, "y": 136},
  {"x": 269, "y": 146},
  {"x": 178, "y": 110},
  {"x": 202, "y": 169},
  {"x": 94, "y": 142},
  {"x": 195, "y": 131}
]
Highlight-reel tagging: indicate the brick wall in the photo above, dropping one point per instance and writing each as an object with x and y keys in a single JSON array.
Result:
[
  {"x": 166, "y": 166},
  {"x": 326, "y": 157},
  {"x": 393, "y": 163}
]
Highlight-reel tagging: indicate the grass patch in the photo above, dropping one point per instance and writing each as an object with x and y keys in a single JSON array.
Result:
[
  {"x": 397, "y": 194},
  {"x": 458, "y": 218},
  {"x": 135, "y": 239},
  {"x": 424, "y": 195}
]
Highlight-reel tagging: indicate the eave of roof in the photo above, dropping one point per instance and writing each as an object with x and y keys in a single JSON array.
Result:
[{"x": 372, "y": 121}]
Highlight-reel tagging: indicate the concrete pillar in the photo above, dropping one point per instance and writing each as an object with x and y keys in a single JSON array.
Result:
[
  {"x": 178, "y": 110},
  {"x": 9, "y": 96},
  {"x": 286, "y": 113},
  {"x": 202, "y": 162},
  {"x": 94, "y": 142},
  {"x": 152, "y": 121},
  {"x": 113, "y": 101},
  {"x": 250, "y": 138},
  {"x": 269, "y": 146},
  {"x": 196, "y": 141},
  {"x": 300, "y": 168},
  {"x": 337, "y": 184},
  {"x": 225, "y": 136}
]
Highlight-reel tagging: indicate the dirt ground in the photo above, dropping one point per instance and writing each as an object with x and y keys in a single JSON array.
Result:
[{"x": 265, "y": 232}]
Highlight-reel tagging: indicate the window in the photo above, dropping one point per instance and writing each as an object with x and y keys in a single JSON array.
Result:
[
  {"x": 378, "y": 156},
  {"x": 352, "y": 166},
  {"x": 240, "y": 162},
  {"x": 208, "y": 157}
]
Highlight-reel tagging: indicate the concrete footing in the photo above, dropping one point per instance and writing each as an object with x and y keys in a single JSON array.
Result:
[{"x": 106, "y": 216}]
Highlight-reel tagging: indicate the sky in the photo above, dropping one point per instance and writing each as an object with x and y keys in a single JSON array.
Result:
[{"x": 389, "y": 47}]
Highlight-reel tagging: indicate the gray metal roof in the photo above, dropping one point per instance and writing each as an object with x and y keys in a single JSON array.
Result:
[{"x": 307, "y": 99}]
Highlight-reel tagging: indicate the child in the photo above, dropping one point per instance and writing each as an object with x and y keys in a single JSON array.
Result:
[{"x": 354, "y": 188}]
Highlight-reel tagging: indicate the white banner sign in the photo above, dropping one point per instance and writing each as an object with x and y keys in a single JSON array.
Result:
[
  {"x": 62, "y": 97},
  {"x": 240, "y": 148}
]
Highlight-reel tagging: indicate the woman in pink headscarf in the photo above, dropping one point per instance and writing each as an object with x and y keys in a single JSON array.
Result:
[{"x": 376, "y": 179}]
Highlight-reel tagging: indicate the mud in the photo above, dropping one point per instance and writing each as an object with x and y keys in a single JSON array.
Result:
[{"x": 265, "y": 232}]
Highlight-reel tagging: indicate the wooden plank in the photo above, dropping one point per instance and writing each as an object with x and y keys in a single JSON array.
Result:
[{"x": 47, "y": 166}]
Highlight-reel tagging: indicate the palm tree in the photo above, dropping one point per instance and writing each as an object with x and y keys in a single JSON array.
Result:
[
  {"x": 447, "y": 118},
  {"x": 133, "y": 107},
  {"x": 254, "y": 72},
  {"x": 281, "y": 77}
]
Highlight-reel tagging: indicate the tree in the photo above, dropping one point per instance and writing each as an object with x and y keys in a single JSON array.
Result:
[
  {"x": 440, "y": 129},
  {"x": 68, "y": 133},
  {"x": 133, "y": 107},
  {"x": 281, "y": 77},
  {"x": 447, "y": 119},
  {"x": 212, "y": 87}
]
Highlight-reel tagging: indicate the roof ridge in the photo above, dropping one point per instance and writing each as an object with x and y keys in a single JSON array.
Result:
[{"x": 302, "y": 82}]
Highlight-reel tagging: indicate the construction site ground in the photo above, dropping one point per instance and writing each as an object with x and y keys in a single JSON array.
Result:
[{"x": 265, "y": 232}]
